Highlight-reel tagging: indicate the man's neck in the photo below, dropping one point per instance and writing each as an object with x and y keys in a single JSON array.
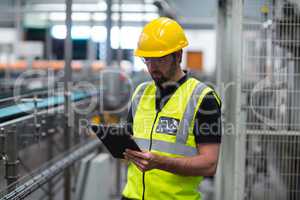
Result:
[{"x": 174, "y": 79}]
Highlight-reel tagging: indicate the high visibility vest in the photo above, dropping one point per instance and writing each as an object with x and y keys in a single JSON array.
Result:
[{"x": 172, "y": 135}]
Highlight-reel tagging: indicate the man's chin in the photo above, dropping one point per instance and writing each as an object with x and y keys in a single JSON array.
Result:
[{"x": 158, "y": 80}]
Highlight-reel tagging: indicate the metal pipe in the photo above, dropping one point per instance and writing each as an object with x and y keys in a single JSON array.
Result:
[
  {"x": 57, "y": 186},
  {"x": 222, "y": 35},
  {"x": 238, "y": 115},
  {"x": 67, "y": 97},
  {"x": 37, "y": 181},
  {"x": 48, "y": 39},
  {"x": 108, "y": 34},
  {"x": 118, "y": 84},
  {"x": 91, "y": 53},
  {"x": 50, "y": 153},
  {"x": 7, "y": 72},
  {"x": 18, "y": 25},
  {"x": 12, "y": 162},
  {"x": 2, "y": 144},
  {"x": 120, "y": 51}
]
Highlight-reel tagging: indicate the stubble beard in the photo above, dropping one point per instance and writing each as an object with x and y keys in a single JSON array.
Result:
[{"x": 165, "y": 78}]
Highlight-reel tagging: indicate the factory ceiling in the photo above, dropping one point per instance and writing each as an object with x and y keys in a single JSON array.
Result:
[{"x": 191, "y": 13}]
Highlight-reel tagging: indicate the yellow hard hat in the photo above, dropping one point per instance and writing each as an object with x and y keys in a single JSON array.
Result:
[{"x": 160, "y": 37}]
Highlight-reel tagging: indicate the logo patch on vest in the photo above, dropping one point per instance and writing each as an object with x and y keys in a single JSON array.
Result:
[{"x": 167, "y": 125}]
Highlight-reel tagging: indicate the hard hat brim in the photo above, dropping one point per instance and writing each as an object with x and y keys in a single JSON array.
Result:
[{"x": 155, "y": 54}]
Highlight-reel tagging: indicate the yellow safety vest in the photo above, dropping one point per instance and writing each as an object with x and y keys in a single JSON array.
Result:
[{"x": 172, "y": 135}]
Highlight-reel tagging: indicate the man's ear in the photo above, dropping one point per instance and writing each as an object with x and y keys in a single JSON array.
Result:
[{"x": 179, "y": 56}]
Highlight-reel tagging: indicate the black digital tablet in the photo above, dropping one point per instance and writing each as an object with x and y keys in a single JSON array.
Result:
[{"x": 115, "y": 138}]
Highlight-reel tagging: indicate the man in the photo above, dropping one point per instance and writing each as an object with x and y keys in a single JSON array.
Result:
[{"x": 175, "y": 120}]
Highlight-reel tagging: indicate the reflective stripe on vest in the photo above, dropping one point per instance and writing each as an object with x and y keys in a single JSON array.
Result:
[
  {"x": 185, "y": 123},
  {"x": 137, "y": 97},
  {"x": 168, "y": 147}
]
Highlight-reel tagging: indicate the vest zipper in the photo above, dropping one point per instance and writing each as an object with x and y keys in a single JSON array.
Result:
[{"x": 150, "y": 146}]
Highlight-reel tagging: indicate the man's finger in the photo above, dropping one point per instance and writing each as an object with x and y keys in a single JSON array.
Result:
[
  {"x": 133, "y": 158},
  {"x": 140, "y": 166},
  {"x": 137, "y": 154}
]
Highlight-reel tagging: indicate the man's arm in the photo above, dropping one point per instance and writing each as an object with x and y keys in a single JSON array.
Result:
[{"x": 204, "y": 164}]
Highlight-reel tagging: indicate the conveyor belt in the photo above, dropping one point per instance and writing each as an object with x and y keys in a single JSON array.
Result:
[
  {"x": 22, "y": 109},
  {"x": 10, "y": 94}
]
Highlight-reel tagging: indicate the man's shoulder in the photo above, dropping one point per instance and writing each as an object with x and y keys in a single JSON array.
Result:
[
  {"x": 210, "y": 93},
  {"x": 139, "y": 89},
  {"x": 143, "y": 85}
]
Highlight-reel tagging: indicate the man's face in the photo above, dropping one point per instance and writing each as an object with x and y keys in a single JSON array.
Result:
[{"x": 161, "y": 69}]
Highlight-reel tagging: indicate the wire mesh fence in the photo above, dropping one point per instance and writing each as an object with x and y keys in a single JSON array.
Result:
[
  {"x": 271, "y": 83},
  {"x": 269, "y": 93}
]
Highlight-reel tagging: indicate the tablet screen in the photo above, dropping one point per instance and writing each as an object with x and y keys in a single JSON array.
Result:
[{"x": 116, "y": 139}]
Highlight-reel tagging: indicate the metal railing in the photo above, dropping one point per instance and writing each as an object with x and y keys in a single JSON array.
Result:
[{"x": 41, "y": 178}]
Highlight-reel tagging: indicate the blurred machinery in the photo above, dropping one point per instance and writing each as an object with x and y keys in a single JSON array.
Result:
[{"x": 32, "y": 121}]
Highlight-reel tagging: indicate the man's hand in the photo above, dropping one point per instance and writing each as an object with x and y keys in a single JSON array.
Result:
[{"x": 144, "y": 160}]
